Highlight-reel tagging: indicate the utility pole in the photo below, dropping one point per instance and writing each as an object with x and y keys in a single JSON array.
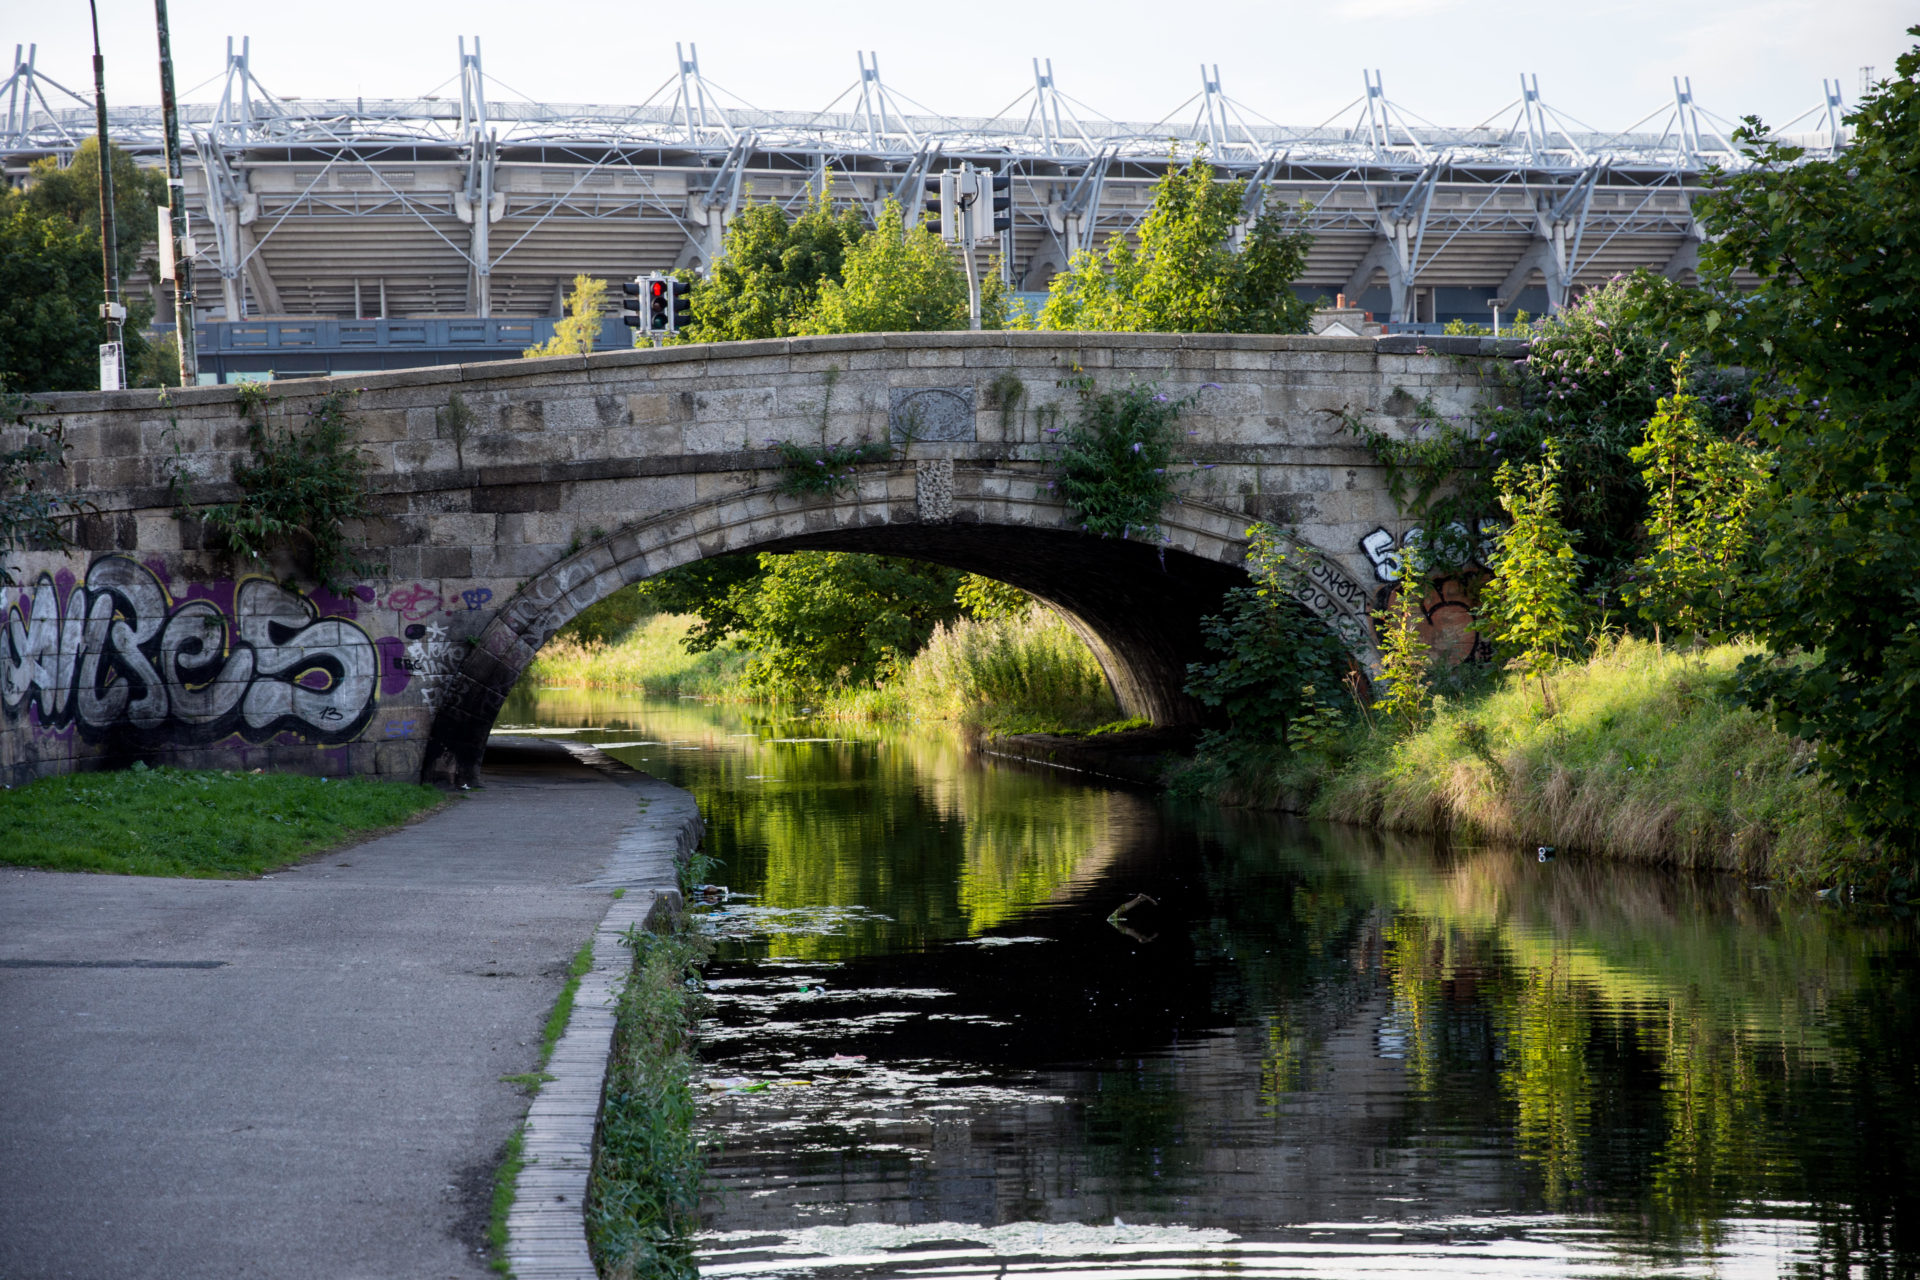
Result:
[
  {"x": 177, "y": 211},
  {"x": 113, "y": 360}
]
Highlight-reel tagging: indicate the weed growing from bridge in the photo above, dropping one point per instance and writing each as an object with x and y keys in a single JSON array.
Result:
[
  {"x": 1113, "y": 466},
  {"x": 824, "y": 469},
  {"x": 31, "y": 515},
  {"x": 301, "y": 486}
]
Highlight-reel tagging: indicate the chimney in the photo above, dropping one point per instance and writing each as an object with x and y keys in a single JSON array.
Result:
[{"x": 1340, "y": 301}]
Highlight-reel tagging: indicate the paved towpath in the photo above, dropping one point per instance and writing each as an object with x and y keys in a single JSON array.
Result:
[{"x": 298, "y": 1075}]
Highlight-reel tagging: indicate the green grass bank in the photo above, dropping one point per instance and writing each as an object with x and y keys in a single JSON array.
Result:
[
  {"x": 643, "y": 1196},
  {"x": 1646, "y": 757},
  {"x": 196, "y": 823}
]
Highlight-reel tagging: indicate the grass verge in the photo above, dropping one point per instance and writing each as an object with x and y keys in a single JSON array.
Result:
[
  {"x": 1646, "y": 757},
  {"x": 506, "y": 1184},
  {"x": 199, "y": 823},
  {"x": 643, "y": 1198}
]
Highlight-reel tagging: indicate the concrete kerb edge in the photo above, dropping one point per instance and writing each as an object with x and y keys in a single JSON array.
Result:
[{"x": 546, "y": 1228}]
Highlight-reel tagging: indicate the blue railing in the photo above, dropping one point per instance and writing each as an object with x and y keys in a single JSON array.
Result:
[{"x": 485, "y": 336}]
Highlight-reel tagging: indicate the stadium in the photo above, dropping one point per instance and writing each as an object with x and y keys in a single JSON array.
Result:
[{"x": 334, "y": 236}]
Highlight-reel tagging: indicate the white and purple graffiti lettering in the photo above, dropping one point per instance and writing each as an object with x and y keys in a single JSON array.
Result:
[{"x": 118, "y": 653}]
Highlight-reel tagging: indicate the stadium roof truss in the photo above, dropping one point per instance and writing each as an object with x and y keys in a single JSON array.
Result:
[{"x": 477, "y": 203}]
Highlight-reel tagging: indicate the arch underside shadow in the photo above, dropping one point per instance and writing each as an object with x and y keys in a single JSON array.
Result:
[{"x": 1137, "y": 605}]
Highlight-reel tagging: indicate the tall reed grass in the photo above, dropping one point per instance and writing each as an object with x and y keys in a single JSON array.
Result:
[
  {"x": 1647, "y": 757},
  {"x": 1022, "y": 674},
  {"x": 649, "y": 658}
]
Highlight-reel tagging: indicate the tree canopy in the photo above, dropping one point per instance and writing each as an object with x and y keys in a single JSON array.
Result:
[
  {"x": 1187, "y": 276},
  {"x": 1835, "y": 243},
  {"x": 74, "y": 193},
  {"x": 771, "y": 268},
  {"x": 50, "y": 282}
]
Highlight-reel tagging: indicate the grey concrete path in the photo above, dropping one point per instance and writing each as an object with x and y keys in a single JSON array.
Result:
[{"x": 298, "y": 1076}]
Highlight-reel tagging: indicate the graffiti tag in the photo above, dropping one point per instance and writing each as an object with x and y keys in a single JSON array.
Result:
[
  {"x": 1452, "y": 550},
  {"x": 118, "y": 650}
]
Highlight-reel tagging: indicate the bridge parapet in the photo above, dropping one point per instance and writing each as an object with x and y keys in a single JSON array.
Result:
[{"x": 507, "y": 496}]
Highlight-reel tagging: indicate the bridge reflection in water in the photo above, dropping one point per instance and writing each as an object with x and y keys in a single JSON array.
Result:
[{"x": 1323, "y": 1051}]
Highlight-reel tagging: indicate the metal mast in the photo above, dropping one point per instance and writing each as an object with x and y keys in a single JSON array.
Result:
[
  {"x": 177, "y": 211},
  {"x": 113, "y": 376}
]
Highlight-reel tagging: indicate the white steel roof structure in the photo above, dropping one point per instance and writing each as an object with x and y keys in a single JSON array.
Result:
[{"x": 467, "y": 204}]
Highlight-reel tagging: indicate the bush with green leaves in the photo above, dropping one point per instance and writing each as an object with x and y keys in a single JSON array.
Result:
[
  {"x": 1592, "y": 378},
  {"x": 1187, "y": 275},
  {"x": 1405, "y": 686},
  {"x": 1531, "y": 608},
  {"x": 1276, "y": 663},
  {"x": 1113, "y": 466},
  {"x": 1701, "y": 524},
  {"x": 301, "y": 485},
  {"x": 1280, "y": 668}
]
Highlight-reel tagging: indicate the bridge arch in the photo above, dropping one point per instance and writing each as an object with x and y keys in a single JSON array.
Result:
[
  {"x": 491, "y": 488},
  {"x": 1136, "y": 604}
]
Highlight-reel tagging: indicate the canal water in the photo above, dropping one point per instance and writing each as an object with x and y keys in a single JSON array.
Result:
[{"x": 973, "y": 1019}]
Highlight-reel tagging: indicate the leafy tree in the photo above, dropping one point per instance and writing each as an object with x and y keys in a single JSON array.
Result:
[
  {"x": 1280, "y": 668},
  {"x": 574, "y": 335},
  {"x": 988, "y": 598},
  {"x": 814, "y": 621},
  {"x": 1836, "y": 246},
  {"x": 1703, "y": 489},
  {"x": 1592, "y": 377},
  {"x": 74, "y": 193},
  {"x": 771, "y": 269},
  {"x": 50, "y": 293},
  {"x": 1531, "y": 607},
  {"x": 900, "y": 279},
  {"x": 158, "y": 365},
  {"x": 1187, "y": 276}
]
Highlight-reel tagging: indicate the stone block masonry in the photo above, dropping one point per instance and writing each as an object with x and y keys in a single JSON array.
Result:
[{"x": 572, "y": 476}]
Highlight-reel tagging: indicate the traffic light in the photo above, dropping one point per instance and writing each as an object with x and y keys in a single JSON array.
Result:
[
  {"x": 943, "y": 205},
  {"x": 659, "y": 304},
  {"x": 1000, "y": 217},
  {"x": 679, "y": 305},
  {"x": 630, "y": 303}
]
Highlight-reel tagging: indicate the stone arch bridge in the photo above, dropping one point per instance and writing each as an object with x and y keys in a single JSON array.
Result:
[{"x": 510, "y": 496}]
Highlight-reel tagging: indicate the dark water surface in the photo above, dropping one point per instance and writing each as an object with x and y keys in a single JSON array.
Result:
[{"x": 1316, "y": 1051}]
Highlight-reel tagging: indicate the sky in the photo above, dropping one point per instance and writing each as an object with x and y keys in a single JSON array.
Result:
[{"x": 1603, "y": 63}]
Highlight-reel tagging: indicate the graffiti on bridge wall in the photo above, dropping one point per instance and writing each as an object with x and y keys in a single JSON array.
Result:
[
  {"x": 119, "y": 650},
  {"x": 1448, "y": 604}
]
